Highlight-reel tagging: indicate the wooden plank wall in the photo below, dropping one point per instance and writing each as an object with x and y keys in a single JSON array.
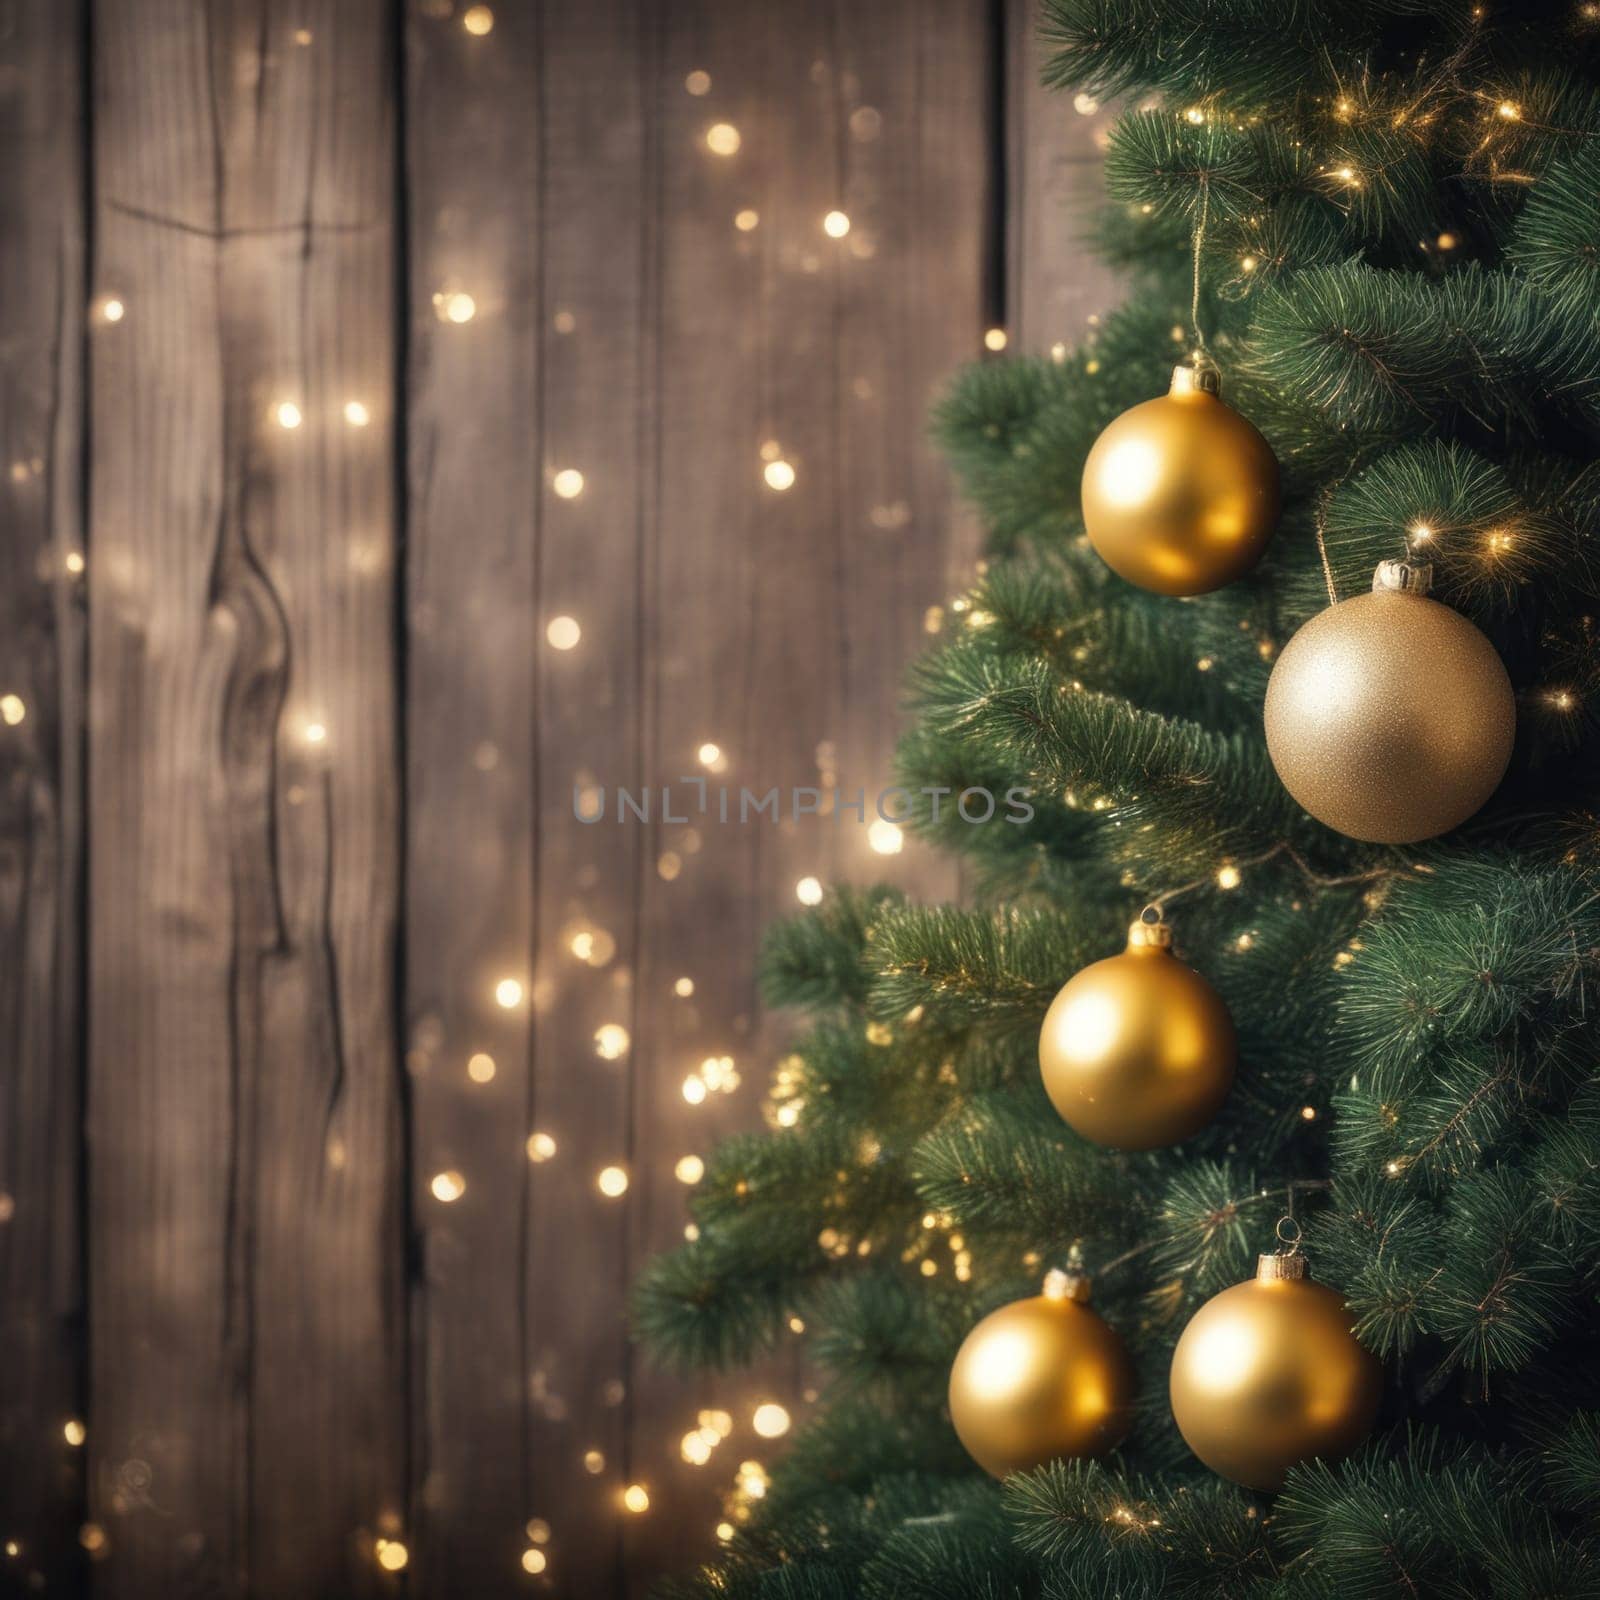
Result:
[
  {"x": 42, "y": 304},
  {"x": 387, "y": 395}
]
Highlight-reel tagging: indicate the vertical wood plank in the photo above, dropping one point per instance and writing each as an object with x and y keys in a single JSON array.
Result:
[
  {"x": 1054, "y": 155},
  {"x": 780, "y": 621},
  {"x": 473, "y": 155},
  {"x": 41, "y": 732},
  {"x": 525, "y": 174},
  {"x": 597, "y": 413},
  {"x": 248, "y": 1423}
]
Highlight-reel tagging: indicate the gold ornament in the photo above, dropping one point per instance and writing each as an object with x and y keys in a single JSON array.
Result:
[
  {"x": 1040, "y": 1379},
  {"x": 1268, "y": 1374},
  {"x": 1180, "y": 494},
  {"x": 1389, "y": 716},
  {"x": 1138, "y": 1051}
]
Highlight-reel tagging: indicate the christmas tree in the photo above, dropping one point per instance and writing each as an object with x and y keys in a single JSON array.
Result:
[{"x": 1379, "y": 220}]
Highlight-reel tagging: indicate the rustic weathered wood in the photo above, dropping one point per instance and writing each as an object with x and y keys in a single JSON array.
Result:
[
  {"x": 780, "y": 620},
  {"x": 1053, "y": 165},
  {"x": 280, "y": 1377},
  {"x": 525, "y": 174},
  {"x": 248, "y": 1387},
  {"x": 41, "y": 654}
]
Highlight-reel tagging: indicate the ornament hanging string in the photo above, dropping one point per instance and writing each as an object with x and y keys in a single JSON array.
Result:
[
  {"x": 1202, "y": 352},
  {"x": 1324, "y": 500}
]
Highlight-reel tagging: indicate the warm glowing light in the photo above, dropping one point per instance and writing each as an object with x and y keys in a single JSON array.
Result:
[
  {"x": 448, "y": 1187},
  {"x": 392, "y": 1555},
  {"x": 1446, "y": 241},
  {"x": 1498, "y": 540},
  {"x": 568, "y": 483},
  {"x": 92, "y": 1537},
  {"x": 594, "y": 1462},
  {"x": 698, "y": 82},
  {"x": 1228, "y": 877},
  {"x": 836, "y": 224},
  {"x": 1085, "y": 104},
  {"x": 886, "y": 838},
  {"x": 478, "y": 20},
  {"x": 480, "y": 1068},
  {"x": 1308, "y": 1113},
  {"x": 770, "y": 1420},
  {"x": 808, "y": 891},
  {"x": 457, "y": 307},
  {"x": 508, "y": 994},
  {"x": 779, "y": 475},
  {"x": 1563, "y": 700},
  {"x": 612, "y": 1182},
  {"x": 356, "y": 414},
  {"x": 113, "y": 310},
  {"x": 611, "y": 1041},
  {"x": 1248, "y": 263},
  {"x": 694, "y": 1090},
  {"x": 695, "y": 1448},
  {"x": 1509, "y": 110},
  {"x": 540, "y": 1147},
  {"x": 316, "y": 733},
  {"x": 534, "y": 1561},
  {"x": 288, "y": 414},
  {"x": 722, "y": 139},
  {"x": 709, "y": 754},
  {"x": 690, "y": 1169},
  {"x": 12, "y": 710},
  {"x": 683, "y": 988},
  {"x": 725, "y": 1531},
  {"x": 74, "y": 1432},
  {"x": 635, "y": 1498},
  {"x": 563, "y": 633},
  {"x": 1131, "y": 471},
  {"x": 1420, "y": 531},
  {"x": 74, "y": 562},
  {"x": 995, "y": 339},
  {"x": 1195, "y": 115},
  {"x": 747, "y": 221}
]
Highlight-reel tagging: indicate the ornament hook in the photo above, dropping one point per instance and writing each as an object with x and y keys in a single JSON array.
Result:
[{"x": 1289, "y": 1235}]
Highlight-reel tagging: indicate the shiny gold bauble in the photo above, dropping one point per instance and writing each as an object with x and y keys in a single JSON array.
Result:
[
  {"x": 1389, "y": 716},
  {"x": 1138, "y": 1051},
  {"x": 1268, "y": 1374},
  {"x": 1180, "y": 494},
  {"x": 1041, "y": 1379}
]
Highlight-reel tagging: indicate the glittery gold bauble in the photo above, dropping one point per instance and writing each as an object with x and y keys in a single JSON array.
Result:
[
  {"x": 1268, "y": 1373},
  {"x": 1180, "y": 494},
  {"x": 1040, "y": 1379},
  {"x": 1138, "y": 1050},
  {"x": 1389, "y": 716}
]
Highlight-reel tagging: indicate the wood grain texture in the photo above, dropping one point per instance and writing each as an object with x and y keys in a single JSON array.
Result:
[
  {"x": 41, "y": 734},
  {"x": 245, "y": 1249},
  {"x": 1054, "y": 156}
]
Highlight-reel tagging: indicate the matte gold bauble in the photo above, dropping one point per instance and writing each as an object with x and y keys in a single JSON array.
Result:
[
  {"x": 1138, "y": 1051},
  {"x": 1041, "y": 1379},
  {"x": 1389, "y": 716},
  {"x": 1180, "y": 494},
  {"x": 1268, "y": 1374}
]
